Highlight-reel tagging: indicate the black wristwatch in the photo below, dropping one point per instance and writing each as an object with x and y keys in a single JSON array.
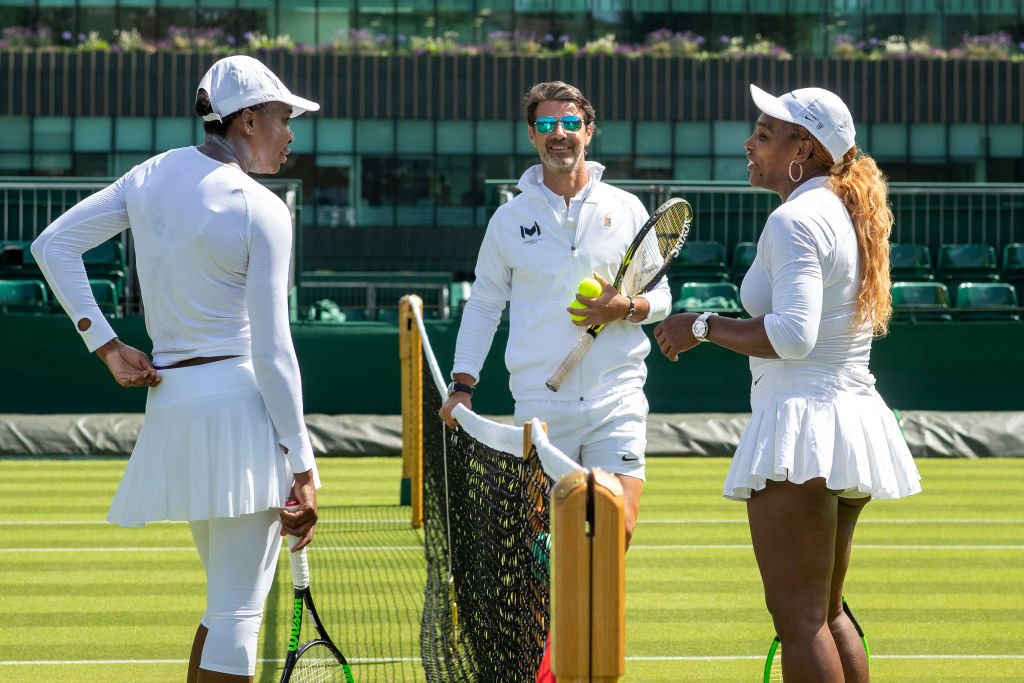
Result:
[{"x": 458, "y": 386}]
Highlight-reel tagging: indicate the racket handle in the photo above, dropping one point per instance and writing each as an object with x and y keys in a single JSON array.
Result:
[
  {"x": 554, "y": 383},
  {"x": 299, "y": 562}
]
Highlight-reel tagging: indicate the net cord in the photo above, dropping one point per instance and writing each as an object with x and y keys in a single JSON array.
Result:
[{"x": 506, "y": 438}]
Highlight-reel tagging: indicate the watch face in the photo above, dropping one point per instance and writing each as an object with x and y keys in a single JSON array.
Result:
[{"x": 700, "y": 329}]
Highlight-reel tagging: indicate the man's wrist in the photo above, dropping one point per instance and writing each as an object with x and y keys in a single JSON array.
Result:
[
  {"x": 632, "y": 309},
  {"x": 460, "y": 387}
]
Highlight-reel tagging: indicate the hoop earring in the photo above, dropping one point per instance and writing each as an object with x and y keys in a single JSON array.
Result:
[{"x": 800, "y": 166}]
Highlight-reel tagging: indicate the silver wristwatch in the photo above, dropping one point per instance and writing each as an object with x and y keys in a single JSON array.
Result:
[{"x": 700, "y": 326}]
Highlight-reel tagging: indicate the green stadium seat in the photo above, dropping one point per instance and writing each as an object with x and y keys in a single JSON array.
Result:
[
  {"x": 1013, "y": 267},
  {"x": 700, "y": 262},
  {"x": 106, "y": 262},
  {"x": 105, "y": 292},
  {"x": 742, "y": 256},
  {"x": 967, "y": 263},
  {"x": 24, "y": 296},
  {"x": 920, "y": 301},
  {"x": 17, "y": 262},
  {"x": 721, "y": 297},
  {"x": 103, "y": 262},
  {"x": 986, "y": 301},
  {"x": 910, "y": 262}
]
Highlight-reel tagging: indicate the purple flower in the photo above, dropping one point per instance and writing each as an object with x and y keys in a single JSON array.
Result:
[
  {"x": 67, "y": 35},
  {"x": 564, "y": 38},
  {"x": 548, "y": 38},
  {"x": 231, "y": 40},
  {"x": 402, "y": 37},
  {"x": 724, "y": 40}
]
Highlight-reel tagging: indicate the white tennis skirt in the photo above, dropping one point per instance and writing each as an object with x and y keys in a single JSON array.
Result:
[
  {"x": 810, "y": 420},
  {"x": 207, "y": 449}
]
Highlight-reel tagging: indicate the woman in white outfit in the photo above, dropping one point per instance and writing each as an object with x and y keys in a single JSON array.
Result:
[
  {"x": 223, "y": 443},
  {"x": 821, "y": 442}
]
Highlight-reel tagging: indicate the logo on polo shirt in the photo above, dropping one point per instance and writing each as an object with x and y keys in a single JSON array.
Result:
[{"x": 530, "y": 234}]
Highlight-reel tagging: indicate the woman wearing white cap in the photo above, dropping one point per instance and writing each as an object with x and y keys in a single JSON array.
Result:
[
  {"x": 821, "y": 442},
  {"x": 223, "y": 443}
]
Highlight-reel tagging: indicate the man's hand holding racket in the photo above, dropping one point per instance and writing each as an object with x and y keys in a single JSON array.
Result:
[
  {"x": 606, "y": 308},
  {"x": 300, "y": 517},
  {"x": 644, "y": 264}
]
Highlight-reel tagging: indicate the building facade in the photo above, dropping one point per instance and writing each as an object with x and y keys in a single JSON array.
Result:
[{"x": 421, "y": 100}]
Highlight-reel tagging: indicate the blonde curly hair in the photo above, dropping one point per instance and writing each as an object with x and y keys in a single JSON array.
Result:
[{"x": 864, "y": 191}]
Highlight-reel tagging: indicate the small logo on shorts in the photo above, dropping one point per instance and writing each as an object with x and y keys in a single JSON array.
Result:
[
  {"x": 632, "y": 457},
  {"x": 757, "y": 380}
]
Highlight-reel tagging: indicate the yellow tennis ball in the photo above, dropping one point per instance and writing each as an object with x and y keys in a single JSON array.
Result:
[
  {"x": 577, "y": 304},
  {"x": 590, "y": 288}
]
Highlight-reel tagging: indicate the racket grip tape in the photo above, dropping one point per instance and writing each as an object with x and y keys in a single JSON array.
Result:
[
  {"x": 554, "y": 383},
  {"x": 299, "y": 562}
]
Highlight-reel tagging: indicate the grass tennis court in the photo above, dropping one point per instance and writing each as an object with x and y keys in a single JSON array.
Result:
[{"x": 935, "y": 582}]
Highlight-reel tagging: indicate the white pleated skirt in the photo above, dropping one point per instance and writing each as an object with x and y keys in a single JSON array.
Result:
[
  {"x": 207, "y": 449},
  {"x": 809, "y": 421}
]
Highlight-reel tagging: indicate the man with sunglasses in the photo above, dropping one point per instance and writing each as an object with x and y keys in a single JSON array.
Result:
[{"x": 564, "y": 226}]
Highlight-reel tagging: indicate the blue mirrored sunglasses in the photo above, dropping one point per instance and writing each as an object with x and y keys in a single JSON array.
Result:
[{"x": 546, "y": 124}]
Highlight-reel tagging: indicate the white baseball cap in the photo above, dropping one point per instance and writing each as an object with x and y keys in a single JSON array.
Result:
[
  {"x": 237, "y": 82},
  {"x": 820, "y": 111}
]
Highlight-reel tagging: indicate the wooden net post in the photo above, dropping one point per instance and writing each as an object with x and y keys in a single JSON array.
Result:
[
  {"x": 588, "y": 578},
  {"x": 410, "y": 355}
]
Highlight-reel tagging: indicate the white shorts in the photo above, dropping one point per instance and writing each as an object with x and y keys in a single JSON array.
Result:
[
  {"x": 239, "y": 557},
  {"x": 609, "y": 433}
]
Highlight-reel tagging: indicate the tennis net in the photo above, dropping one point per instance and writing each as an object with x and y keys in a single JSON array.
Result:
[{"x": 486, "y": 538}]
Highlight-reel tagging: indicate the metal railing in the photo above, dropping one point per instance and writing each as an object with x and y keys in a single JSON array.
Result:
[
  {"x": 926, "y": 213},
  {"x": 372, "y": 296},
  {"x": 28, "y": 205}
]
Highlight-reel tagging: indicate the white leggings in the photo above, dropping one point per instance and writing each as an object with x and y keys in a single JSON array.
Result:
[{"x": 239, "y": 555}]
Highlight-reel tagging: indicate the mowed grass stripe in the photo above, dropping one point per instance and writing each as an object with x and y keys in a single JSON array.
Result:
[{"x": 694, "y": 612}]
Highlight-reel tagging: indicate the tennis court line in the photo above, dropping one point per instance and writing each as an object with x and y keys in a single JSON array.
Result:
[
  {"x": 386, "y": 660},
  {"x": 104, "y": 662},
  {"x": 361, "y": 548},
  {"x": 862, "y": 521},
  {"x": 642, "y": 522},
  {"x": 859, "y": 546},
  {"x": 190, "y": 548},
  {"x": 103, "y": 522}
]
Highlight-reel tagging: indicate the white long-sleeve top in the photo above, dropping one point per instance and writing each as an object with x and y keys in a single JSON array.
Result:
[
  {"x": 212, "y": 249},
  {"x": 534, "y": 254},
  {"x": 804, "y": 280}
]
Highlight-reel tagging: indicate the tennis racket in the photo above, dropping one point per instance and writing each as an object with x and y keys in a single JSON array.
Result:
[
  {"x": 773, "y": 665},
  {"x": 317, "y": 659},
  {"x": 646, "y": 260}
]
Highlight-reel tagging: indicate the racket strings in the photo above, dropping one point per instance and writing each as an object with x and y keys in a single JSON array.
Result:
[
  {"x": 660, "y": 245},
  {"x": 317, "y": 664}
]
